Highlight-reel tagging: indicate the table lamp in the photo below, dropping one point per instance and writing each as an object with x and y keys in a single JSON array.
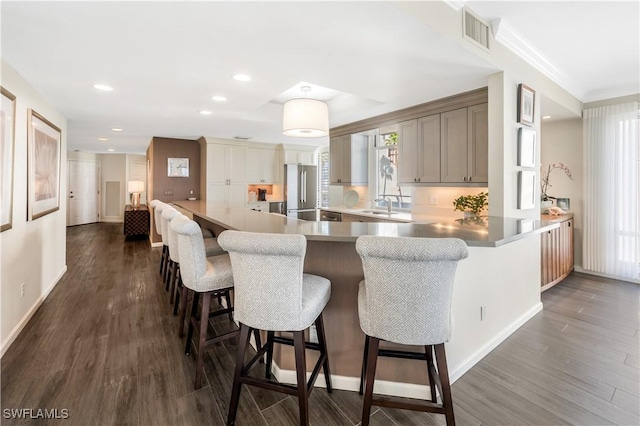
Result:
[{"x": 135, "y": 188}]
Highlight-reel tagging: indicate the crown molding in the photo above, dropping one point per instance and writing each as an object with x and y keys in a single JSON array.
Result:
[{"x": 509, "y": 37}]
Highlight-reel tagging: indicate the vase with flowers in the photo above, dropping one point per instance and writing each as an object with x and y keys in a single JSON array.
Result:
[{"x": 545, "y": 183}]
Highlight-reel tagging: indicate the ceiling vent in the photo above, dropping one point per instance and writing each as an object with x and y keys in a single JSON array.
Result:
[
  {"x": 475, "y": 29},
  {"x": 242, "y": 138}
]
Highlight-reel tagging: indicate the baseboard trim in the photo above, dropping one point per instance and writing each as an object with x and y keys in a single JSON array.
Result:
[
  {"x": 493, "y": 343},
  {"x": 411, "y": 390},
  {"x": 25, "y": 319},
  {"x": 156, "y": 244},
  {"x": 601, "y": 274},
  {"x": 112, "y": 220}
]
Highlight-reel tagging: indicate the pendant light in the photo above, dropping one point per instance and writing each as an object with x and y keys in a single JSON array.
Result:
[{"x": 305, "y": 118}]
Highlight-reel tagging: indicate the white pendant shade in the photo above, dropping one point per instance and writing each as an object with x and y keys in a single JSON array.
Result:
[{"x": 305, "y": 118}]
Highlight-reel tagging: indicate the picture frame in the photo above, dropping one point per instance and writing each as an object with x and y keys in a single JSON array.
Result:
[
  {"x": 526, "y": 147},
  {"x": 177, "y": 167},
  {"x": 526, "y": 190},
  {"x": 563, "y": 203},
  {"x": 7, "y": 146},
  {"x": 44, "y": 141},
  {"x": 526, "y": 104}
]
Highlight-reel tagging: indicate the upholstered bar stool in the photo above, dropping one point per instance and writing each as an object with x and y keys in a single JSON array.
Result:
[
  {"x": 172, "y": 276},
  {"x": 165, "y": 242},
  {"x": 180, "y": 296},
  {"x": 272, "y": 293},
  {"x": 405, "y": 298},
  {"x": 158, "y": 206},
  {"x": 204, "y": 277}
]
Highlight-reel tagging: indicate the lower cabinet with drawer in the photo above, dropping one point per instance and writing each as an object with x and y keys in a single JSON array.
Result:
[{"x": 557, "y": 254}]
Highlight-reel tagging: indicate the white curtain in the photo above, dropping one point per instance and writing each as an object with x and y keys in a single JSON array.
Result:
[{"x": 611, "y": 217}]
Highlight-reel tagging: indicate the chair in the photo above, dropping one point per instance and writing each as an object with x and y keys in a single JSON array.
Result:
[
  {"x": 204, "y": 277},
  {"x": 405, "y": 298},
  {"x": 179, "y": 290},
  {"x": 158, "y": 206},
  {"x": 172, "y": 276},
  {"x": 272, "y": 293},
  {"x": 164, "y": 223}
]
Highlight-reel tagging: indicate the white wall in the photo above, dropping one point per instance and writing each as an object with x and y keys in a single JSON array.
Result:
[
  {"x": 561, "y": 141},
  {"x": 31, "y": 252}
]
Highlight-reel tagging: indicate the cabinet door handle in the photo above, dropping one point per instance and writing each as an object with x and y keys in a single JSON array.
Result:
[
  {"x": 469, "y": 178},
  {"x": 419, "y": 180},
  {"x": 464, "y": 178}
]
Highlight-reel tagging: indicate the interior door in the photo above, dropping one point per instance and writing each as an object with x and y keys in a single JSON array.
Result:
[{"x": 83, "y": 192}]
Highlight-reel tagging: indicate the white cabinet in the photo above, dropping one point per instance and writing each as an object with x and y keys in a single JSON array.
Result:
[
  {"x": 226, "y": 174},
  {"x": 464, "y": 145},
  {"x": 226, "y": 163},
  {"x": 348, "y": 159},
  {"x": 233, "y": 195},
  {"x": 294, "y": 156},
  {"x": 263, "y": 166},
  {"x": 260, "y": 206},
  {"x": 419, "y": 150}
]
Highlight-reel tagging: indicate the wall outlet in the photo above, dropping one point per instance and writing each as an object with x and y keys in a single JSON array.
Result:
[
  {"x": 483, "y": 312},
  {"x": 22, "y": 288},
  {"x": 313, "y": 334},
  {"x": 433, "y": 200}
]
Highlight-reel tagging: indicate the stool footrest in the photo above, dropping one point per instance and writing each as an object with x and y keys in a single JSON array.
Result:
[
  {"x": 394, "y": 353},
  {"x": 289, "y": 341},
  {"x": 424, "y": 406}
]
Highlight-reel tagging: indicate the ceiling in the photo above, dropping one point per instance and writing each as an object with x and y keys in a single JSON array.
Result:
[{"x": 165, "y": 60}]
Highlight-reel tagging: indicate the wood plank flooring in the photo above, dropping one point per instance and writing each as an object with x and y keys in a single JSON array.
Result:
[{"x": 104, "y": 346}]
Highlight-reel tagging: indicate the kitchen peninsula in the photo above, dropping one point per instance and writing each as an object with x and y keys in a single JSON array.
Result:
[{"x": 500, "y": 278}]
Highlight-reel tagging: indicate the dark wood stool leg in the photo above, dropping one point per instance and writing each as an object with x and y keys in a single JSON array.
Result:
[
  {"x": 431, "y": 370},
  {"x": 194, "y": 311},
  {"x": 245, "y": 333},
  {"x": 167, "y": 274},
  {"x": 301, "y": 373},
  {"x": 172, "y": 280},
  {"x": 363, "y": 373},
  {"x": 183, "y": 309},
  {"x": 372, "y": 360},
  {"x": 227, "y": 297},
  {"x": 443, "y": 372},
  {"x": 178, "y": 292},
  {"x": 323, "y": 352},
  {"x": 270, "y": 336},
  {"x": 162, "y": 258},
  {"x": 202, "y": 338}
]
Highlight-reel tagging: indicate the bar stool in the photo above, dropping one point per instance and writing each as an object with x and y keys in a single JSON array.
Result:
[
  {"x": 180, "y": 291},
  {"x": 405, "y": 298},
  {"x": 168, "y": 213},
  {"x": 272, "y": 293},
  {"x": 164, "y": 223},
  {"x": 204, "y": 277},
  {"x": 157, "y": 207}
]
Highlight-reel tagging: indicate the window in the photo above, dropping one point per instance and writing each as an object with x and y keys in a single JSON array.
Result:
[
  {"x": 387, "y": 173},
  {"x": 323, "y": 178}
]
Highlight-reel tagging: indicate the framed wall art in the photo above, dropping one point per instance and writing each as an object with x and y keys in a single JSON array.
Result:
[
  {"x": 178, "y": 167},
  {"x": 7, "y": 143},
  {"x": 44, "y": 141},
  {"x": 526, "y": 104},
  {"x": 526, "y": 147},
  {"x": 526, "y": 190}
]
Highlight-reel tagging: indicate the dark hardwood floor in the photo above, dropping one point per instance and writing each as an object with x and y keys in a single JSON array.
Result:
[{"x": 104, "y": 346}]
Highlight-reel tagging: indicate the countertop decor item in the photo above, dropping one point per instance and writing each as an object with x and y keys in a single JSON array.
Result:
[
  {"x": 351, "y": 198},
  {"x": 471, "y": 203},
  {"x": 545, "y": 182}
]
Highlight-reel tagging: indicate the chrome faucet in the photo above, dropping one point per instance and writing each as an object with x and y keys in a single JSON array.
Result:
[{"x": 387, "y": 201}]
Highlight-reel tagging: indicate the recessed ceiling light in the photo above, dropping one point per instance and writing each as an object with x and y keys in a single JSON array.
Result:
[
  {"x": 219, "y": 98},
  {"x": 116, "y": 129},
  {"x": 103, "y": 139},
  {"x": 103, "y": 87},
  {"x": 546, "y": 117},
  {"x": 242, "y": 77},
  {"x": 205, "y": 112},
  {"x": 111, "y": 150}
]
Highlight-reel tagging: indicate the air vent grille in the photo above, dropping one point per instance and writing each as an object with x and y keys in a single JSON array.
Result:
[{"x": 475, "y": 30}]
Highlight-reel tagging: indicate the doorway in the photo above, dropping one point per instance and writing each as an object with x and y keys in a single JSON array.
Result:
[{"x": 84, "y": 190}]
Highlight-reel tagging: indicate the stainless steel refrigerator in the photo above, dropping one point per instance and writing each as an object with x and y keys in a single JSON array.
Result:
[{"x": 301, "y": 191}]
